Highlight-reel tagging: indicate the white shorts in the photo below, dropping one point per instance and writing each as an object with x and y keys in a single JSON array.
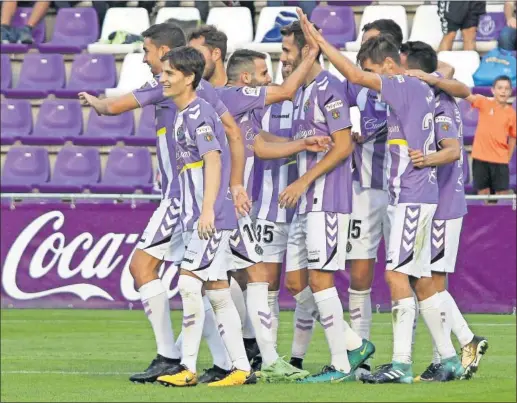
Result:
[
  {"x": 272, "y": 238},
  {"x": 162, "y": 237},
  {"x": 445, "y": 242},
  {"x": 244, "y": 245},
  {"x": 409, "y": 250},
  {"x": 317, "y": 241},
  {"x": 368, "y": 222},
  {"x": 210, "y": 259}
]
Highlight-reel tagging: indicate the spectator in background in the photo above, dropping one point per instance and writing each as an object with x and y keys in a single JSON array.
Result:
[
  {"x": 456, "y": 15},
  {"x": 21, "y": 34},
  {"x": 306, "y": 6},
  {"x": 494, "y": 141},
  {"x": 507, "y": 37}
]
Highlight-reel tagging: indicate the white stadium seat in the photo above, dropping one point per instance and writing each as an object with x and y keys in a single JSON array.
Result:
[
  {"x": 465, "y": 63},
  {"x": 427, "y": 26},
  {"x": 351, "y": 55},
  {"x": 235, "y": 22},
  {"x": 355, "y": 118},
  {"x": 265, "y": 23},
  {"x": 372, "y": 13},
  {"x": 178, "y": 13},
  {"x": 134, "y": 20},
  {"x": 133, "y": 74}
]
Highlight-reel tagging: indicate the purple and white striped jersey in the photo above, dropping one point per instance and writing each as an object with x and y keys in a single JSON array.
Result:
[
  {"x": 165, "y": 112},
  {"x": 198, "y": 130},
  {"x": 276, "y": 174},
  {"x": 448, "y": 125},
  {"x": 411, "y": 108},
  {"x": 320, "y": 109},
  {"x": 242, "y": 102},
  {"x": 371, "y": 156}
]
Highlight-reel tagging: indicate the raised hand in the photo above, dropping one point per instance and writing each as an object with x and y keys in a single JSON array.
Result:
[
  {"x": 417, "y": 158},
  {"x": 428, "y": 78}
]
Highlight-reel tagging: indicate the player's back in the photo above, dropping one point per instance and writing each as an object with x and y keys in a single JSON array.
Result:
[
  {"x": 320, "y": 110},
  {"x": 411, "y": 109}
]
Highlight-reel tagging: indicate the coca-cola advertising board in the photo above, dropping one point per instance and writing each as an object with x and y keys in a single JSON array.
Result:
[{"x": 59, "y": 256}]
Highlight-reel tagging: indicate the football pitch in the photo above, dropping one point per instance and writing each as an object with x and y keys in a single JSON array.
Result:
[{"x": 87, "y": 356}]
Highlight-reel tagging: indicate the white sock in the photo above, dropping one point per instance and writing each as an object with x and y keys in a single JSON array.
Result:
[
  {"x": 435, "y": 317},
  {"x": 179, "y": 342},
  {"x": 415, "y": 322},
  {"x": 238, "y": 299},
  {"x": 360, "y": 307},
  {"x": 229, "y": 326},
  {"x": 213, "y": 339},
  {"x": 156, "y": 306},
  {"x": 261, "y": 318},
  {"x": 331, "y": 318},
  {"x": 403, "y": 317},
  {"x": 274, "y": 307},
  {"x": 193, "y": 319},
  {"x": 303, "y": 323},
  {"x": 248, "y": 330},
  {"x": 457, "y": 322}
]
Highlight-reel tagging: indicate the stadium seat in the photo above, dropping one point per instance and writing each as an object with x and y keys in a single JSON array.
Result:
[
  {"x": 25, "y": 168},
  {"x": 20, "y": 18},
  {"x": 16, "y": 120},
  {"x": 336, "y": 22},
  {"x": 127, "y": 169},
  {"x": 74, "y": 30},
  {"x": 134, "y": 73},
  {"x": 40, "y": 76},
  {"x": 266, "y": 22},
  {"x": 351, "y": 55},
  {"x": 470, "y": 118},
  {"x": 355, "y": 118},
  {"x": 58, "y": 120},
  {"x": 7, "y": 75},
  {"x": 372, "y": 13},
  {"x": 240, "y": 29},
  {"x": 134, "y": 20},
  {"x": 465, "y": 63},
  {"x": 146, "y": 133},
  {"x": 91, "y": 73},
  {"x": 106, "y": 130},
  {"x": 427, "y": 26},
  {"x": 75, "y": 170},
  {"x": 178, "y": 13}
]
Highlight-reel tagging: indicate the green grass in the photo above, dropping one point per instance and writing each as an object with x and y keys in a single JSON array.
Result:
[{"x": 86, "y": 356}]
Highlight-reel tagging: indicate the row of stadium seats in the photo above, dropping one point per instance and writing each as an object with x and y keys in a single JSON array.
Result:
[{"x": 336, "y": 21}]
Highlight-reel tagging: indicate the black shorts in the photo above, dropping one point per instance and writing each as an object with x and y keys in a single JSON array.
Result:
[
  {"x": 456, "y": 15},
  {"x": 490, "y": 175}
]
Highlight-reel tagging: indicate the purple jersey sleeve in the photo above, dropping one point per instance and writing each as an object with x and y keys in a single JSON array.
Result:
[
  {"x": 206, "y": 91},
  {"x": 150, "y": 93},
  {"x": 394, "y": 91},
  {"x": 205, "y": 137},
  {"x": 335, "y": 108},
  {"x": 245, "y": 99},
  {"x": 445, "y": 126},
  {"x": 350, "y": 93}
]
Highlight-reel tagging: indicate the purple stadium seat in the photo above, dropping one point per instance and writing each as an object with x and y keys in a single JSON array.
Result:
[
  {"x": 74, "y": 30},
  {"x": 336, "y": 22},
  {"x": 25, "y": 168},
  {"x": 107, "y": 130},
  {"x": 470, "y": 121},
  {"x": 513, "y": 164},
  {"x": 58, "y": 120},
  {"x": 490, "y": 26},
  {"x": 20, "y": 19},
  {"x": 7, "y": 75},
  {"x": 76, "y": 169},
  {"x": 40, "y": 76},
  {"x": 127, "y": 169},
  {"x": 91, "y": 73},
  {"x": 146, "y": 132},
  {"x": 16, "y": 120}
]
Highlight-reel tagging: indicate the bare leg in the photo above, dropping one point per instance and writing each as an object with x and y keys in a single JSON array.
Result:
[
  {"x": 447, "y": 40},
  {"x": 469, "y": 38},
  {"x": 8, "y": 10}
]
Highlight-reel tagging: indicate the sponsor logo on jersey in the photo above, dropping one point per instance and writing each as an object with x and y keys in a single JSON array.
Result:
[
  {"x": 443, "y": 119},
  {"x": 286, "y": 116},
  {"x": 153, "y": 83},
  {"x": 334, "y": 105},
  {"x": 251, "y": 92},
  {"x": 206, "y": 131}
]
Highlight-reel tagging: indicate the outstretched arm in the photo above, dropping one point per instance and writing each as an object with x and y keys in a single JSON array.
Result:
[
  {"x": 454, "y": 88},
  {"x": 278, "y": 148},
  {"x": 112, "y": 105}
]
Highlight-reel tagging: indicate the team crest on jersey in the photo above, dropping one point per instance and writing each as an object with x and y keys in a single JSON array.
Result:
[
  {"x": 251, "y": 92},
  {"x": 259, "y": 250},
  {"x": 348, "y": 247},
  {"x": 180, "y": 133},
  {"x": 306, "y": 106},
  {"x": 445, "y": 127},
  {"x": 335, "y": 114}
]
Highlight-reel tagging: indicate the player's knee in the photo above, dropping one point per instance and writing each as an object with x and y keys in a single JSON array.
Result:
[
  {"x": 439, "y": 281},
  {"x": 241, "y": 277},
  {"x": 319, "y": 280},
  {"x": 189, "y": 287},
  {"x": 360, "y": 278},
  {"x": 142, "y": 267},
  {"x": 424, "y": 288},
  {"x": 294, "y": 286}
]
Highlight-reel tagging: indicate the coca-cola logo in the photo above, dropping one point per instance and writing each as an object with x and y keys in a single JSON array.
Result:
[{"x": 55, "y": 253}]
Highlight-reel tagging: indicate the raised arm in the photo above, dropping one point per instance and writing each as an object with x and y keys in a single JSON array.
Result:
[
  {"x": 445, "y": 69},
  {"x": 451, "y": 87},
  {"x": 112, "y": 105}
]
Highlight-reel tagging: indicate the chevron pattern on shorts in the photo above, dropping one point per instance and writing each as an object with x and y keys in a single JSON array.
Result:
[
  {"x": 331, "y": 229},
  {"x": 410, "y": 228}
]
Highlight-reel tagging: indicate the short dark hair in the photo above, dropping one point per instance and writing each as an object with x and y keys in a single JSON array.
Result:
[
  {"x": 242, "y": 59},
  {"x": 420, "y": 55},
  {"x": 502, "y": 78},
  {"x": 378, "y": 48},
  {"x": 187, "y": 60},
  {"x": 213, "y": 38},
  {"x": 386, "y": 26},
  {"x": 295, "y": 29},
  {"x": 166, "y": 34}
]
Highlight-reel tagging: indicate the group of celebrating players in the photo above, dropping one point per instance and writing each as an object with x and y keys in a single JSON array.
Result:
[{"x": 254, "y": 173}]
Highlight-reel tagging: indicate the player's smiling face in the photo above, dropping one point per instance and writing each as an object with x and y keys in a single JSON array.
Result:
[
  {"x": 199, "y": 44},
  {"x": 291, "y": 56},
  {"x": 261, "y": 75},
  {"x": 152, "y": 55},
  {"x": 174, "y": 81}
]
